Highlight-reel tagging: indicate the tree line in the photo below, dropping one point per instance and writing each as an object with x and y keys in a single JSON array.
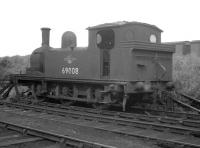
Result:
[{"x": 13, "y": 65}]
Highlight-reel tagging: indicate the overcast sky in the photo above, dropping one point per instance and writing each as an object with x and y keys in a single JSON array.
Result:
[{"x": 21, "y": 20}]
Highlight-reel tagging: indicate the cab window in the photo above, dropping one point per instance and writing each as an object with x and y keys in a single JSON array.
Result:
[{"x": 105, "y": 39}]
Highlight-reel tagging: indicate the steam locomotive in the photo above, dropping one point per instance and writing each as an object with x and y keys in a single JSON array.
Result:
[{"x": 124, "y": 63}]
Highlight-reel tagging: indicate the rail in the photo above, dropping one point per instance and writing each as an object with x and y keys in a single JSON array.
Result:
[{"x": 76, "y": 142}]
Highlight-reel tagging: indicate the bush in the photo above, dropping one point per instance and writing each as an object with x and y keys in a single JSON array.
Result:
[
  {"x": 186, "y": 74},
  {"x": 13, "y": 65}
]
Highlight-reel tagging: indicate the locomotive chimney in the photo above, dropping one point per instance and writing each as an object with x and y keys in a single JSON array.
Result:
[{"x": 45, "y": 36}]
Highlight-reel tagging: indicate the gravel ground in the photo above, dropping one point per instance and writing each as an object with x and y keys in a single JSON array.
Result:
[{"x": 71, "y": 130}]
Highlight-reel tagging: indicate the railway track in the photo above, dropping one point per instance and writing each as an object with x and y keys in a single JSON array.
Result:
[
  {"x": 182, "y": 115},
  {"x": 50, "y": 127},
  {"x": 11, "y": 138},
  {"x": 160, "y": 131},
  {"x": 113, "y": 115},
  {"x": 19, "y": 134}
]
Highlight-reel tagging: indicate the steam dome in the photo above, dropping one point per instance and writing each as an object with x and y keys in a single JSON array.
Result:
[{"x": 68, "y": 40}]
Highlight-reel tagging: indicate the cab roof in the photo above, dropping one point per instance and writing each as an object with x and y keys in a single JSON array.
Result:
[{"x": 122, "y": 23}]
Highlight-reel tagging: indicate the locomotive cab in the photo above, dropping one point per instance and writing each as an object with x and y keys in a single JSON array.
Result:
[
  {"x": 132, "y": 52},
  {"x": 128, "y": 51}
]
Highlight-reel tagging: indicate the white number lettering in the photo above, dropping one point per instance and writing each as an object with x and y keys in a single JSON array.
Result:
[
  {"x": 70, "y": 71},
  {"x": 63, "y": 70}
]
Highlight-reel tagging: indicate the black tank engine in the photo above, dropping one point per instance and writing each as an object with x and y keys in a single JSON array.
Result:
[{"x": 123, "y": 64}]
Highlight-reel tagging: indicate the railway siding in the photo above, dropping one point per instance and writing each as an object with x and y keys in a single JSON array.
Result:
[
  {"x": 13, "y": 138},
  {"x": 76, "y": 135},
  {"x": 105, "y": 132}
]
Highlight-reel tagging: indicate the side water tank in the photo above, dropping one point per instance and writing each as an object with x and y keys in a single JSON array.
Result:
[{"x": 68, "y": 40}]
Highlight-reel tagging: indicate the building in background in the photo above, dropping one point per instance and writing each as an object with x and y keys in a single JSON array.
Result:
[{"x": 183, "y": 48}]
